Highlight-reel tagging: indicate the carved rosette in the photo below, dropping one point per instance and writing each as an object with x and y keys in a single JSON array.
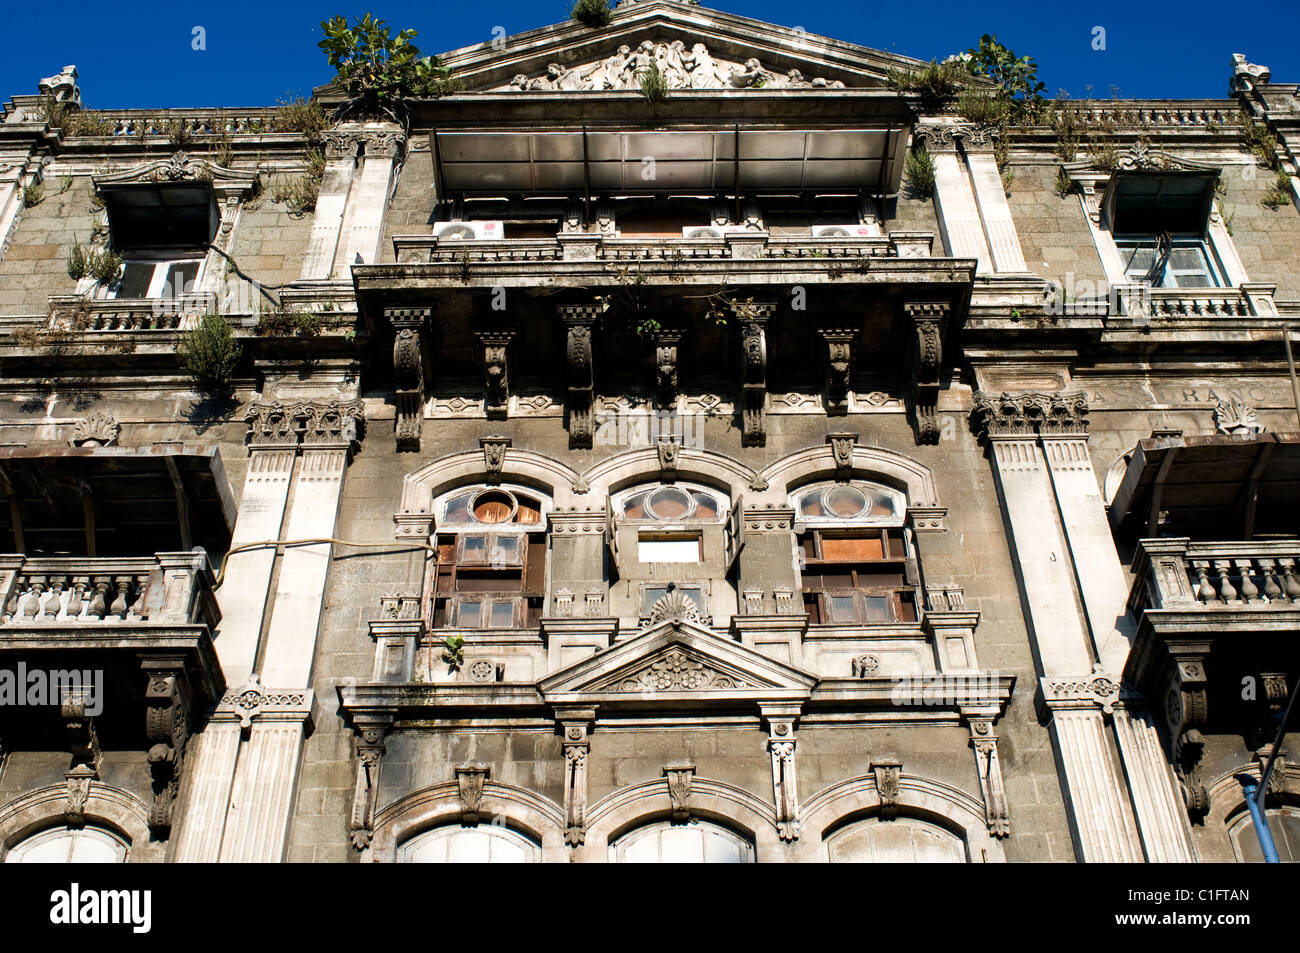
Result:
[
  {"x": 496, "y": 370},
  {"x": 409, "y": 332},
  {"x": 97, "y": 430},
  {"x": 578, "y": 320}
]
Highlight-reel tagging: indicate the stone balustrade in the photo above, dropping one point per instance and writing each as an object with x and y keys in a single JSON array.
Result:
[
  {"x": 75, "y": 313},
  {"x": 166, "y": 588},
  {"x": 428, "y": 249},
  {"x": 1180, "y": 573}
]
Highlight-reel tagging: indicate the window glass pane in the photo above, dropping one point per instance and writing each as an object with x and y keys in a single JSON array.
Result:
[
  {"x": 488, "y": 844},
  {"x": 63, "y": 845},
  {"x": 669, "y": 503},
  {"x": 475, "y": 548},
  {"x": 653, "y": 594},
  {"x": 810, "y": 504},
  {"x": 180, "y": 279},
  {"x": 705, "y": 507},
  {"x": 1186, "y": 258},
  {"x": 503, "y": 615},
  {"x": 493, "y": 506},
  {"x": 505, "y": 551},
  {"x": 879, "y": 608},
  {"x": 136, "y": 278},
  {"x": 468, "y": 615},
  {"x": 1193, "y": 281},
  {"x": 883, "y": 506},
  {"x": 845, "y": 502},
  {"x": 842, "y": 609},
  {"x": 852, "y": 548},
  {"x": 634, "y": 506},
  {"x": 529, "y": 511},
  {"x": 683, "y": 550},
  {"x": 457, "y": 510}
]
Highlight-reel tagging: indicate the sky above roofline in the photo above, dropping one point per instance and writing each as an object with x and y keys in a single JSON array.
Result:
[{"x": 135, "y": 55}]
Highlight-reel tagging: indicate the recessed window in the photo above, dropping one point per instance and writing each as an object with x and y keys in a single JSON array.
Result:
[
  {"x": 652, "y": 594},
  {"x": 672, "y": 504},
  {"x": 698, "y": 842},
  {"x": 680, "y": 548},
  {"x": 1166, "y": 261},
  {"x": 858, "y": 502},
  {"x": 145, "y": 278},
  {"x": 486, "y": 844},
  {"x": 66, "y": 845}
]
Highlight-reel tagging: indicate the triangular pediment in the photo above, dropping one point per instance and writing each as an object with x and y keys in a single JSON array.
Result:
[
  {"x": 676, "y": 660},
  {"x": 696, "y": 48}
]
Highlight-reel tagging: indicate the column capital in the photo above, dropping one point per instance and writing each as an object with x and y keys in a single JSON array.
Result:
[{"x": 1030, "y": 413}]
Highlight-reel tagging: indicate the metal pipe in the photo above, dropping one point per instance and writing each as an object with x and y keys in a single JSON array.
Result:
[{"x": 1249, "y": 787}]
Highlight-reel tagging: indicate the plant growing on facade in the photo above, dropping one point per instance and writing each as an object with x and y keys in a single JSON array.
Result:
[
  {"x": 1015, "y": 77},
  {"x": 210, "y": 354},
  {"x": 78, "y": 262},
  {"x": 378, "y": 70},
  {"x": 33, "y": 195},
  {"x": 300, "y": 115},
  {"x": 284, "y": 323},
  {"x": 935, "y": 81},
  {"x": 654, "y": 84},
  {"x": 300, "y": 192},
  {"x": 106, "y": 267},
  {"x": 1279, "y": 193},
  {"x": 919, "y": 171},
  {"x": 592, "y": 13},
  {"x": 453, "y": 652}
]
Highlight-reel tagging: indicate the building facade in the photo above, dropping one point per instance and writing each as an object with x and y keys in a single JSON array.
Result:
[{"x": 607, "y": 475}]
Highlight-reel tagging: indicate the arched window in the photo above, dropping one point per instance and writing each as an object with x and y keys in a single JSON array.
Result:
[
  {"x": 698, "y": 842},
  {"x": 901, "y": 840},
  {"x": 69, "y": 845},
  {"x": 490, "y": 571},
  {"x": 1283, "y": 824},
  {"x": 854, "y": 553},
  {"x": 487, "y": 844}
]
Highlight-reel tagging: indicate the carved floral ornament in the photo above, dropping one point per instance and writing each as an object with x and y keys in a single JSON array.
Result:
[
  {"x": 181, "y": 167},
  {"x": 1027, "y": 414},
  {"x": 695, "y": 68},
  {"x": 97, "y": 430},
  {"x": 276, "y": 424}
]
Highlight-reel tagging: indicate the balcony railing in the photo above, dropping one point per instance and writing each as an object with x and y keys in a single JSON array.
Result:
[
  {"x": 1179, "y": 573},
  {"x": 166, "y": 588},
  {"x": 429, "y": 249}
]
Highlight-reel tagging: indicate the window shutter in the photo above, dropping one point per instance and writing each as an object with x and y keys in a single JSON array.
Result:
[
  {"x": 735, "y": 531},
  {"x": 611, "y": 530}
]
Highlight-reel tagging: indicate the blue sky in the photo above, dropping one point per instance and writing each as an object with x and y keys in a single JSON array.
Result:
[{"x": 141, "y": 55}]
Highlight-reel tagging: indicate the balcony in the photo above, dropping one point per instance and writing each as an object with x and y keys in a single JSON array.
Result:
[{"x": 429, "y": 249}]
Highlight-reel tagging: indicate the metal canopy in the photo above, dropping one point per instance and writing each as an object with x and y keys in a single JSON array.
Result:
[
  {"x": 1153, "y": 202},
  {"x": 180, "y": 214},
  {"x": 662, "y": 160},
  {"x": 114, "y": 501},
  {"x": 1212, "y": 488}
]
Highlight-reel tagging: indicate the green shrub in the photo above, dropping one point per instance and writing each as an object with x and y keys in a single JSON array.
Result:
[
  {"x": 33, "y": 195},
  {"x": 935, "y": 81},
  {"x": 105, "y": 267},
  {"x": 920, "y": 173},
  {"x": 592, "y": 13},
  {"x": 654, "y": 85},
  {"x": 980, "y": 107},
  {"x": 299, "y": 193},
  {"x": 300, "y": 115},
  {"x": 78, "y": 263},
  {"x": 377, "y": 69},
  {"x": 210, "y": 354},
  {"x": 1279, "y": 193}
]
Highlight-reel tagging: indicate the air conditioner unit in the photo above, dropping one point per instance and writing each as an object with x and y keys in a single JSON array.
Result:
[
  {"x": 469, "y": 231},
  {"x": 856, "y": 230},
  {"x": 713, "y": 231}
]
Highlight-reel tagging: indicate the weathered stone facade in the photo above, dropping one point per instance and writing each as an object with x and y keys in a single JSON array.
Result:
[{"x": 604, "y": 479}]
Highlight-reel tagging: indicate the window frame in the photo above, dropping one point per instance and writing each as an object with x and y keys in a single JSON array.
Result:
[
  {"x": 1213, "y": 271},
  {"x": 162, "y": 266}
]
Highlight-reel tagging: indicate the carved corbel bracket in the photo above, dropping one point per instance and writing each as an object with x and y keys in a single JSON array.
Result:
[
  {"x": 494, "y": 456},
  {"x": 753, "y": 318},
  {"x": 670, "y": 452},
  {"x": 680, "y": 774},
  {"x": 76, "y": 707},
  {"x": 578, "y": 319},
  {"x": 168, "y": 725},
  {"x": 842, "y": 445},
  {"x": 785, "y": 783},
  {"x": 410, "y": 332},
  {"x": 1186, "y": 703},
  {"x": 496, "y": 370},
  {"x": 984, "y": 742},
  {"x": 929, "y": 321},
  {"x": 370, "y": 735},
  {"x": 575, "y": 731},
  {"x": 888, "y": 774},
  {"x": 1097, "y": 690},
  {"x": 469, "y": 788},
  {"x": 839, "y": 366},
  {"x": 666, "y": 342}
]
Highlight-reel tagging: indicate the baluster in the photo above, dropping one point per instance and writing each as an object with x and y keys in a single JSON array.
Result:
[
  {"x": 77, "y": 598},
  {"x": 1249, "y": 591},
  {"x": 1204, "y": 590},
  {"x": 1290, "y": 585},
  {"x": 99, "y": 601},
  {"x": 137, "y": 608},
  {"x": 52, "y": 604},
  {"x": 119, "y": 606},
  {"x": 31, "y": 604},
  {"x": 1271, "y": 589},
  {"x": 1226, "y": 592},
  {"x": 20, "y": 586}
]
